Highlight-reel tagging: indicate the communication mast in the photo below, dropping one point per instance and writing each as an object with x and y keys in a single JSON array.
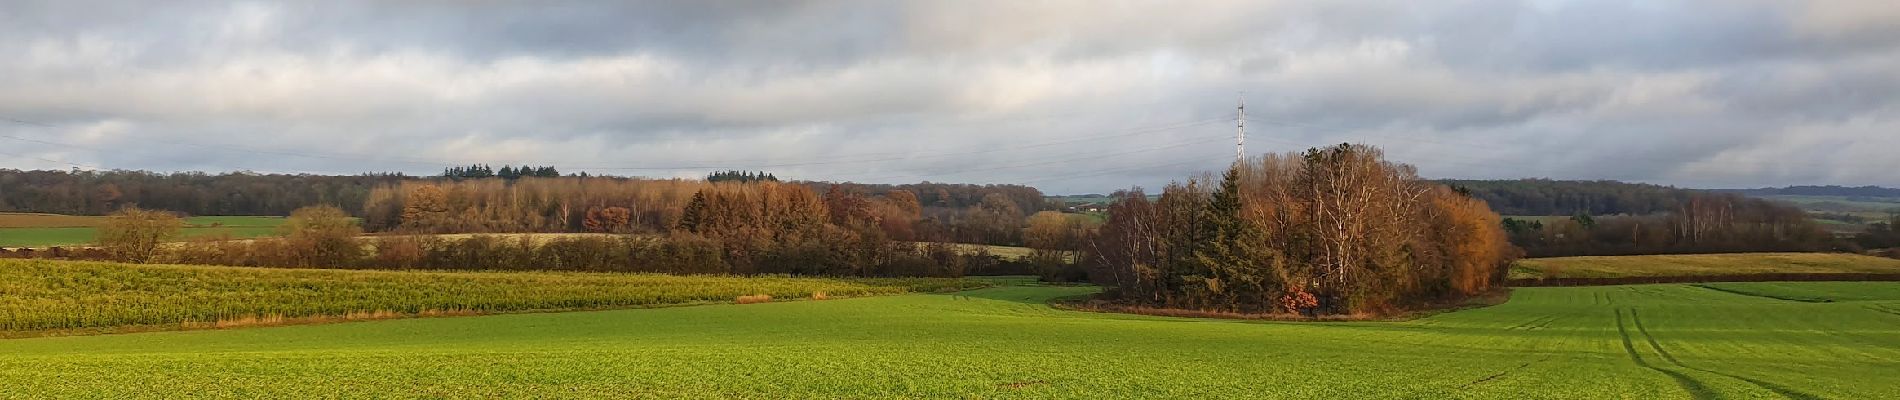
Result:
[{"x": 1240, "y": 130}]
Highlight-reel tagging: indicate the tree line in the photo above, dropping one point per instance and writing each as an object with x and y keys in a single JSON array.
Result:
[
  {"x": 1867, "y": 192},
  {"x": 236, "y": 193},
  {"x": 479, "y": 171},
  {"x": 626, "y": 205},
  {"x": 481, "y": 199},
  {"x": 1555, "y": 197},
  {"x": 1703, "y": 223},
  {"x": 741, "y": 176},
  {"x": 1337, "y": 230},
  {"x": 734, "y": 229}
]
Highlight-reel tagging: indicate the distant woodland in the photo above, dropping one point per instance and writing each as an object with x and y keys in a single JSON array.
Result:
[
  {"x": 1542, "y": 217},
  {"x": 1844, "y": 191},
  {"x": 195, "y": 193},
  {"x": 481, "y": 199},
  {"x": 1552, "y": 197}
]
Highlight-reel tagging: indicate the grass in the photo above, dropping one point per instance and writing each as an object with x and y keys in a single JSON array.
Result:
[
  {"x": 1006, "y": 252},
  {"x": 42, "y": 295},
  {"x": 45, "y": 230},
  {"x": 1870, "y": 208},
  {"x": 1819, "y": 292},
  {"x": 1700, "y": 264},
  {"x": 1646, "y": 341},
  {"x": 1852, "y": 203}
]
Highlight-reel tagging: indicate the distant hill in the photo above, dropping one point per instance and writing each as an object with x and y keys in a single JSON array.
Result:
[
  {"x": 1830, "y": 190},
  {"x": 1558, "y": 197}
]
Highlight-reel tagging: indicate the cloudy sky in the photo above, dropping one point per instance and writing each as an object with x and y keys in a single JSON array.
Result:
[{"x": 1071, "y": 97}]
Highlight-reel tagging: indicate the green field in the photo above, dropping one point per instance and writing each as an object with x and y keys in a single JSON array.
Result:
[
  {"x": 1846, "y": 204},
  {"x": 1646, "y": 341},
  {"x": 43, "y": 230},
  {"x": 1701, "y": 265},
  {"x": 1870, "y": 208}
]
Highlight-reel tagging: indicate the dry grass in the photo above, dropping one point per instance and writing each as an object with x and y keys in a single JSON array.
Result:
[
  {"x": 755, "y": 298},
  {"x": 1006, "y": 252},
  {"x": 1701, "y": 264}
]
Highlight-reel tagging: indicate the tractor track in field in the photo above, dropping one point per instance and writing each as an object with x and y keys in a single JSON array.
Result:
[
  {"x": 1765, "y": 296},
  {"x": 1784, "y": 391},
  {"x": 1883, "y": 310},
  {"x": 1696, "y": 388},
  {"x": 1533, "y": 324},
  {"x": 1501, "y": 374}
]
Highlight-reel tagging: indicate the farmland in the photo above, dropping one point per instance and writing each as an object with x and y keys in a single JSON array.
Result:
[
  {"x": 42, "y": 230},
  {"x": 1647, "y": 341},
  {"x": 1701, "y": 265},
  {"x": 37, "y": 295}
]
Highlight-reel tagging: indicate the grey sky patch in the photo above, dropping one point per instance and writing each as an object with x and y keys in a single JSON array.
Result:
[{"x": 1071, "y": 97}]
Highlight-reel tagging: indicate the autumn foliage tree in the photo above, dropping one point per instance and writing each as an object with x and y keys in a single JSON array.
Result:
[
  {"x": 1334, "y": 230},
  {"x": 1055, "y": 241},
  {"x": 426, "y": 205},
  {"x": 134, "y": 235},
  {"x": 608, "y": 220},
  {"x": 321, "y": 236}
]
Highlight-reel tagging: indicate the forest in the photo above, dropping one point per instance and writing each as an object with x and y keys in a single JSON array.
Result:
[
  {"x": 478, "y": 199},
  {"x": 80, "y": 192},
  {"x": 1555, "y": 197},
  {"x": 1703, "y": 223},
  {"x": 1337, "y": 230}
]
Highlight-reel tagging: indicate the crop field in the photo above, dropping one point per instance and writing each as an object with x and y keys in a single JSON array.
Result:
[
  {"x": 42, "y": 230},
  {"x": 41, "y": 295},
  {"x": 1643, "y": 341},
  {"x": 1006, "y": 252},
  {"x": 1701, "y": 264},
  {"x": 1848, "y": 204}
]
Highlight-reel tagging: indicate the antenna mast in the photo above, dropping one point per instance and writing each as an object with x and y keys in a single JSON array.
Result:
[{"x": 1240, "y": 130}]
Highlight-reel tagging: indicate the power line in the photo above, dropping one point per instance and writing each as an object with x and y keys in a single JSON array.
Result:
[
  {"x": 18, "y": 155},
  {"x": 1135, "y": 132},
  {"x": 1059, "y": 161},
  {"x": 1199, "y": 159},
  {"x": 26, "y": 122},
  {"x": 722, "y": 164},
  {"x": 1501, "y": 148}
]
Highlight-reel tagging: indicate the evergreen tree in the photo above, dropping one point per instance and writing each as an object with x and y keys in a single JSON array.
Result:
[
  {"x": 690, "y": 216},
  {"x": 1231, "y": 254}
]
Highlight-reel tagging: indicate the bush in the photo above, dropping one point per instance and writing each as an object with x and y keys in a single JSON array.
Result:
[
  {"x": 133, "y": 234},
  {"x": 321, "y": 236}
]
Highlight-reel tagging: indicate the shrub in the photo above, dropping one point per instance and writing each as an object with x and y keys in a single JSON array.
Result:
[
  {"x": 321, "y": 236},
  {"x": 133, "y": 234}
]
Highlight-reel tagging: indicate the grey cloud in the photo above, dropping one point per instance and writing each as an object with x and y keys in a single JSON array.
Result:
[{"x": 1707, "y": 93}]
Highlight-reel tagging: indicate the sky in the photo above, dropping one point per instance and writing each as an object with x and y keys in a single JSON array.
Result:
[{"x": 1067, "y": 96}]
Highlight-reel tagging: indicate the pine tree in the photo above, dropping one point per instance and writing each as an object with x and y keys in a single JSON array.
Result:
[
  {"x": 1231, "y": 255},
  {"x": 690, "y": 216}
]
